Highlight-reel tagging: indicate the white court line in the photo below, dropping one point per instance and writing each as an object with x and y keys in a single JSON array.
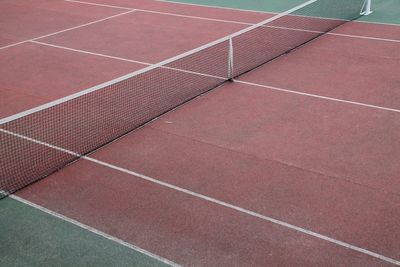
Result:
[
  {"x": 377, "y": 22},
  {"x": 94, "y": 231},
  {"x": 13, "y": 44},
  {"x": 318, "y": 96},
  {"x": 97, "y": 4},
  {"x": 218, "y": 7},
  {"x": 244, "y": 23},
  {"x": 336, "y": 34},
  {"x": 69, "y": 29},
  {"x": 214, "y": 200},
  {"x": 194, "y": 17},
  {"x": 365, "y": 37},
  {"x": 90, "y": 53}
]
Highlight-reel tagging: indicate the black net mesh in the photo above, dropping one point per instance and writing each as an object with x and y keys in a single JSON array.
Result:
[{"x": 36, "y": 145}]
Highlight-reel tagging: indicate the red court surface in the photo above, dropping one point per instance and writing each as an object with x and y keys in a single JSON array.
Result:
[
  {"x": 352, "y": 69},
  {"x": 151, "y": 44},
  {"x": 296, "y": 163},
  {"x": 34, "y": 74},
  {"x": 183, "y": 228},
  {"x": 45, "y": 18}
]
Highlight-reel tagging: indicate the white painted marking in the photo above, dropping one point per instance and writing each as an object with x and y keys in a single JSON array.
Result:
[
  {"x": 13, "y": 44},
  {"x": 23, "y": 137},
  {"x": 69, "y": 29},
  {"x": 318, "y": 96},
  {"x": 94, "y": 231},
  {"x": 96, "y": 4},
  {"x": 337, "y": 34},
  {"x": 84, "y": 25},
  {"x": 90, "y": 53},
  {"x": 376, "y": 22},
  {"x": 365, "y": 37},
  {"x": 218, "y": 7},
  {"x": 194, "y": 17},
  {"x": 215, "y": 201}
]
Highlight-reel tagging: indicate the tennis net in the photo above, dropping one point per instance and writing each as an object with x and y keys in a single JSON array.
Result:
[{"x": 40, "y": 141}]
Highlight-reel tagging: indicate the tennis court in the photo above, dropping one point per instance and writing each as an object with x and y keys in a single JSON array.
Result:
[{"x": 199, "y": 133}]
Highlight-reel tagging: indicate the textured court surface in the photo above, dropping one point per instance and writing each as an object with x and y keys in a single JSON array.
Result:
[{"x": 294, "y": 164}]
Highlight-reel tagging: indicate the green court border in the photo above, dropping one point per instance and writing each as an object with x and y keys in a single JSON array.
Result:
[{"x": 31, "y": 237}]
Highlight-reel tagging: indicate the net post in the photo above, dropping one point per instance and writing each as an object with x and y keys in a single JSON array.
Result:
[
  {"x": 230, "y": 60},
  {"x": 366, "y": 8}
]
